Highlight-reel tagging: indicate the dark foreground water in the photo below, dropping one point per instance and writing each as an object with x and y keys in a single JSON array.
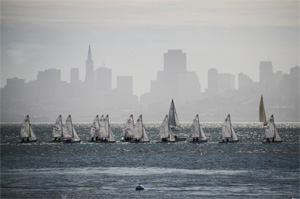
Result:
[{"x": 248, "y": 169}]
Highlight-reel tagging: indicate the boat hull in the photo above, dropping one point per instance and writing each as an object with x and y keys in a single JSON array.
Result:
[
  {"x": 180, "y": 139},
  {"x": 265, "y": 142},
  {"x": 70, "y": 141},
  {"x": 29, "y": 141},
  {"x": 199, "y": 141},
  {"x": 232, "y": 141}
]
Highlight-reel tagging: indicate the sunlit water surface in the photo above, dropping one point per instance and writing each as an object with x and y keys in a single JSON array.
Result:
[{"x": 247, "y": 169}]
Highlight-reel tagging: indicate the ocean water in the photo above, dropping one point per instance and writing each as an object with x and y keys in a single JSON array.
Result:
[{"x": 247, "y": 169}]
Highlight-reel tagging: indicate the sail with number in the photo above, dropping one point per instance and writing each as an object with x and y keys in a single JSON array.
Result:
[
  {"x": 197, "y": 131},
  {"x": 128, "y": 131},
  {"x": 140, "y": 131},
  {"x": 72, "y": 135},
  {"x": 165, "y": 131},
  {"x": 227, "y": 130},
  {"x": 271, "y": 130},
  {"x": 262, "y": 113},
  {"x": 26, "y": 131},
  {"x": 173, "y": 118}
]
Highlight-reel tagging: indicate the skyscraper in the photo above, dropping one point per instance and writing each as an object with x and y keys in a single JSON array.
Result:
[
  {"x": 213, "y": 81},
  {"x": 74, "y": 76},
  {"x": 174, "y": 64},
  {"x": 104, "y": 79},
  {"x": 265, "y": 71},
  {"x": 90, "y": 74}
]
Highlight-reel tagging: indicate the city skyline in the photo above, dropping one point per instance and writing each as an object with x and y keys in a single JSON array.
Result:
[
  {"x": 83, "y": 75},
  {"x": 48, "y": 95},
  {"x": 131, "y": 37}
]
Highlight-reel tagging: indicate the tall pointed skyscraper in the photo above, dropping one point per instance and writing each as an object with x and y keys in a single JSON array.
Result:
[{"x": 89, "y": 73}]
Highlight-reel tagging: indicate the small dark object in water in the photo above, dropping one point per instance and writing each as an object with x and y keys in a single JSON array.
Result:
[{"x": 139, "y": 187}]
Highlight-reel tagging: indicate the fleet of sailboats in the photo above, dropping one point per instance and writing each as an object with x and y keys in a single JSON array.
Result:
[
  {"x": 101, "y": 130},
  {"x": 228, "y": 131}
]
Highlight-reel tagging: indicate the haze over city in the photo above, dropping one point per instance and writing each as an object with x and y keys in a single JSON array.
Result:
[{"x": 132, "y": 39}]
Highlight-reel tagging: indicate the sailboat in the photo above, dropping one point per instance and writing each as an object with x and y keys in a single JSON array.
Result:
[
  {"x": 271, "y": 131},
  {"x": 140, "y": 131},
  {"x": 128, "y": 131},
  {"x": 57, "y": 132},
  {"x": 26, "y": 132},
  {"x": 165, "y": 132},
  {"x": 228, "y": 132},
  {"x": 262, "y": 113},
  {"x": 110, "y": 135},
  {"x": 197, "y": 132},
  {"x": 70, "y": 130},
  {"x": 173, "y": 118},
  {"x": 94, "y": 129}
]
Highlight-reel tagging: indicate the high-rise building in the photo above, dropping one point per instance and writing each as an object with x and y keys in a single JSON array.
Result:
[
  {"x": 74, "y": 76},
  {"x": 213, "y": 81},
  {"x": 226, "y": 82},
  {"x": 244, "y": 82},
  {"x": 90, "y": 74},
  {"x": 49, "y": 76},
  {"x": 174, "y": 64},
  {"x": 125, "y": 85},
  {"x": 265, "y": 71},
  {"x": 104, "y": 79}
]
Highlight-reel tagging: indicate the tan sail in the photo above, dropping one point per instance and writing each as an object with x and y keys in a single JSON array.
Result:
[{"x": 262, "y": 114}]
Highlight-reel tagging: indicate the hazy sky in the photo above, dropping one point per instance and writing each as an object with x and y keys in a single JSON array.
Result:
[{"x": 131, "y": 36}]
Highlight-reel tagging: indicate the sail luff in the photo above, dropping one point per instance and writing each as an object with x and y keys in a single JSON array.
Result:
[
  {"x": 111, "y": 136},
  {"x": 31, "y": 133}
]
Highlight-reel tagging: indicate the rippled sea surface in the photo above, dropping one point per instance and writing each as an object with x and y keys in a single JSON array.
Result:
[{"x": 247, "y": 169}]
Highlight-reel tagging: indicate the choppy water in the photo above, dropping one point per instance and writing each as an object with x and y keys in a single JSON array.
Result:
[{"x": 247, "y": 169}]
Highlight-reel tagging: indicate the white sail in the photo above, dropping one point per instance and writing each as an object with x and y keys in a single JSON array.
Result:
[
  {"x": 95, "y": 127},
  {"x": 57, "y": 129},
  {"x": 144, "y": 135},
  {"x": 111, "y": 136},
  {"x": 138, "y": 128},
  {"x": 103, "y": 132},
  {"x": 165, "y": 130},
  {"x": 75, "y": 137},
  {"x": 140, "y": 131},
  {"x": 195, "y": 128},
  {"x": 202, "y": 134},
  {"x": 71, "y": 130},
  {"x": 26, "y": 130},
  {"x": 128, "y": 131},
  {"x": 271, "y": 130},
  {"x": 226, "y": 128},
  {"x": 233, "y": 135},
  {"x": 68, "y": 130},
  {"x": 173, "y": 118}
]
